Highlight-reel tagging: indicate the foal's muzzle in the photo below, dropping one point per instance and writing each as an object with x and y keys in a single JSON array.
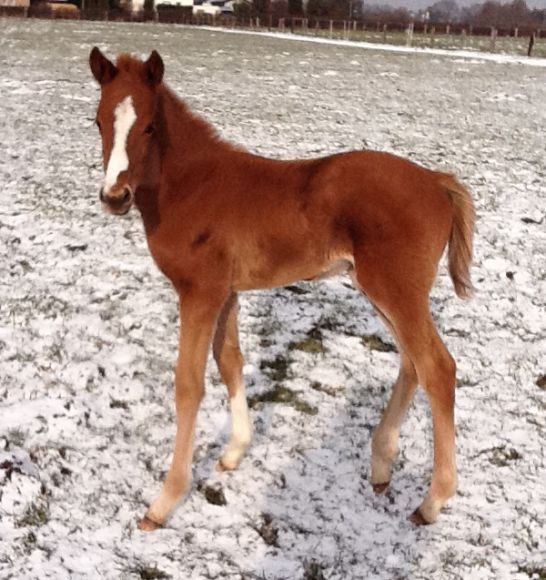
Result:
[{"x": 117, "y": 201}]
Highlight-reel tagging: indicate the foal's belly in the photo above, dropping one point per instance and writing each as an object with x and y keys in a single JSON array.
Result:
[{"x": 248, "y": 278}]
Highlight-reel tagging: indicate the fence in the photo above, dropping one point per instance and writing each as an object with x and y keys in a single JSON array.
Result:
[{"x": 419, "y": 34}]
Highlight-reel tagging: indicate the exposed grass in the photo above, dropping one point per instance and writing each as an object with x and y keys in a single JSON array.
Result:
[
  {"x": 312, "y": 343},
  {"x": 309, "y": 344},
  {"x": 37, "y": 514},
  {"x": 501, "y": 456},
  {"x": 29, "y": 543},
  {"x": 213, "y": 493},
  {"x": 281, "y": 394},
  {"x": 146, "y": 572},
  {"x": 533, "y": 571},
  {"x": 118, "y": 404},
  {"x": 268, "y": 530},
  {"x": 313, "y": 570},
  {"x": 276, "y": 369},
  {"x": 330, "y": 391},
  {"x": 374, "y": 342}
]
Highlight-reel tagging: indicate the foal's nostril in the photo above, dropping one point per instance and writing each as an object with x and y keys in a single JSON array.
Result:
[{"x": 126, "y": 195}]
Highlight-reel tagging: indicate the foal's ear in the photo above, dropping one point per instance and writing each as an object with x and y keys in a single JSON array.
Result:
[
  {"x": 154, "y": 68},
  {"x": 103, "y": 70}
]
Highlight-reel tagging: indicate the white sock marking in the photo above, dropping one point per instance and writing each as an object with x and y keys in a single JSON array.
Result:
[
  {"x": 241, "y": 430},
  {"x": 124, "y": 119}
]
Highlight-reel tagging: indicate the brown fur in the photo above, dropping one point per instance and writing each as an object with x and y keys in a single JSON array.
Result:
[{"x": 220, "y": 220}]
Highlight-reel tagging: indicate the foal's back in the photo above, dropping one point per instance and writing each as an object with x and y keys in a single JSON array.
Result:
[{"x": 290, "y": 220}]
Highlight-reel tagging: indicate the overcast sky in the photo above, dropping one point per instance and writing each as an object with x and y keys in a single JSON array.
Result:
[{"x": 416, "y": 4}]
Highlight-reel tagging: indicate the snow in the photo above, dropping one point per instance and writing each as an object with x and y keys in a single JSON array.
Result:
[
  {"x": 88, "y": 326},
  {"x": 473, "y": 56}
]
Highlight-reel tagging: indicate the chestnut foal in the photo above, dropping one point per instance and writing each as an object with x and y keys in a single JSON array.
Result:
[{"x": 220, "y": 220}]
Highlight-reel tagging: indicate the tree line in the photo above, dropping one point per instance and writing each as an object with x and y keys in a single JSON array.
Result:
[{"x": 490, "y": 13}]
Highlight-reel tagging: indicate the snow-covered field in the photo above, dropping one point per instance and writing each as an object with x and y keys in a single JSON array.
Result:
[{"x": 88, "y": 327}]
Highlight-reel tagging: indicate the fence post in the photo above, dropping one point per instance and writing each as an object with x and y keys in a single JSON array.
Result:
[
  {"x": 516, "y": 32},
  {"x": 409, "y": 34},
  {"x": 463, "y": 37},
  {"x": 331, "y": 28},
  {"x": 493, "y": 38},
  {"x": 384, "y": 33},
  {"x": 448, "y": 29},
  {"x": 531, "y": 44}
]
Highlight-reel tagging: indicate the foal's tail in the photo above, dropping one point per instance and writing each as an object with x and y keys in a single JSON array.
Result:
[{"x": 460, "y": 240}]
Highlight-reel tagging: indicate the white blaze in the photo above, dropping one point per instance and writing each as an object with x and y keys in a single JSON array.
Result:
[{"x": 124, "y": 119}]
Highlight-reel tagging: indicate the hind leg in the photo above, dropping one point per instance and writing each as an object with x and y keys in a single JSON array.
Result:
[
  {"x": 404, "y": 303},
  {"x": 386, "y": 434},
  {"x": 229, "y": 359}
]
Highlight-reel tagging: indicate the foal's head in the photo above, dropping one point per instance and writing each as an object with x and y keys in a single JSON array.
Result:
[{"x": 127, "y": 121}]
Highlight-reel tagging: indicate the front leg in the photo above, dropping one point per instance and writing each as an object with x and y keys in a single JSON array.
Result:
[
  {"x": 230, "y": 363},
  {"x": 198, "y": 316}
]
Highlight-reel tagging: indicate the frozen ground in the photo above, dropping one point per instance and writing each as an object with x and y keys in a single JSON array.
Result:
[{"x": 88, "y": 327}]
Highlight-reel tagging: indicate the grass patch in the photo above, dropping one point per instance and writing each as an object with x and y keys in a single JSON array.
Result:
[
  {"x": 374, "y": 342},
  {"x": 268, "y": 530},
  {"x": 312, "y": 343},
  {"x": 313, "y": 570},
  {"x": 117, "y": 404},
  {"x": 149, "y": 572},
  {"x": 502, "y": 456},
  {"x": 309, "y": 344},
  {"x": 534, "y": 572},
  {"x": 29, "y": 543},
  {"x": 330, "y": 391},
  {"x": 280, "y": 394},
  {"x": 214, "y": 494},
  {"x": 37, "y": 514},
  {"x": 277, "y": 369}
]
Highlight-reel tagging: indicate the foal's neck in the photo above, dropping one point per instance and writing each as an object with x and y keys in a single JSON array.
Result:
[{"x": 186, "y": 136}]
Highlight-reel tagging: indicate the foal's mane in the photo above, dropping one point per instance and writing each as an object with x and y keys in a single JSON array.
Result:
[{"x": 197, "y": 130}]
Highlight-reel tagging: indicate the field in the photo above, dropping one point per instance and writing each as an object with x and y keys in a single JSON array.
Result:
[
  {"x": 503, "y": 44},
  {"x": 88, "y": 326}
]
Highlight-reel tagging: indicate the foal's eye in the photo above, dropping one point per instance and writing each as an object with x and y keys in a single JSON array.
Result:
[{"x": 149, "y": 129}]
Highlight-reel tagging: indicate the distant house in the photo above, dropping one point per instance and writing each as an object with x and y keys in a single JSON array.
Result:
[
  {"x": 211, "y": 7},
  {"x": 14, "y": 3}
]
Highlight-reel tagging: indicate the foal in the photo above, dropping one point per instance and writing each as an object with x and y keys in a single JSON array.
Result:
[{"x": 220, "y": 220}]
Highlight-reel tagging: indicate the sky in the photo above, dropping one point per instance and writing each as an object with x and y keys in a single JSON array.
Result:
[{"x": 417, "y": 4}]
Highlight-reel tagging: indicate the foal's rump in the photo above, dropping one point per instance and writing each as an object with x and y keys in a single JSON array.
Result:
[{"x": 392, "y": 211}]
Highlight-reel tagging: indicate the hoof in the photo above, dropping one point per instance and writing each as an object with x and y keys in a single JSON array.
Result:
[
  {"x": 221, "y": 466},
  {"x": 418, "y": 519},
  {"x": 148, "y": 525},
  {"x": 379, "y": 488}
]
